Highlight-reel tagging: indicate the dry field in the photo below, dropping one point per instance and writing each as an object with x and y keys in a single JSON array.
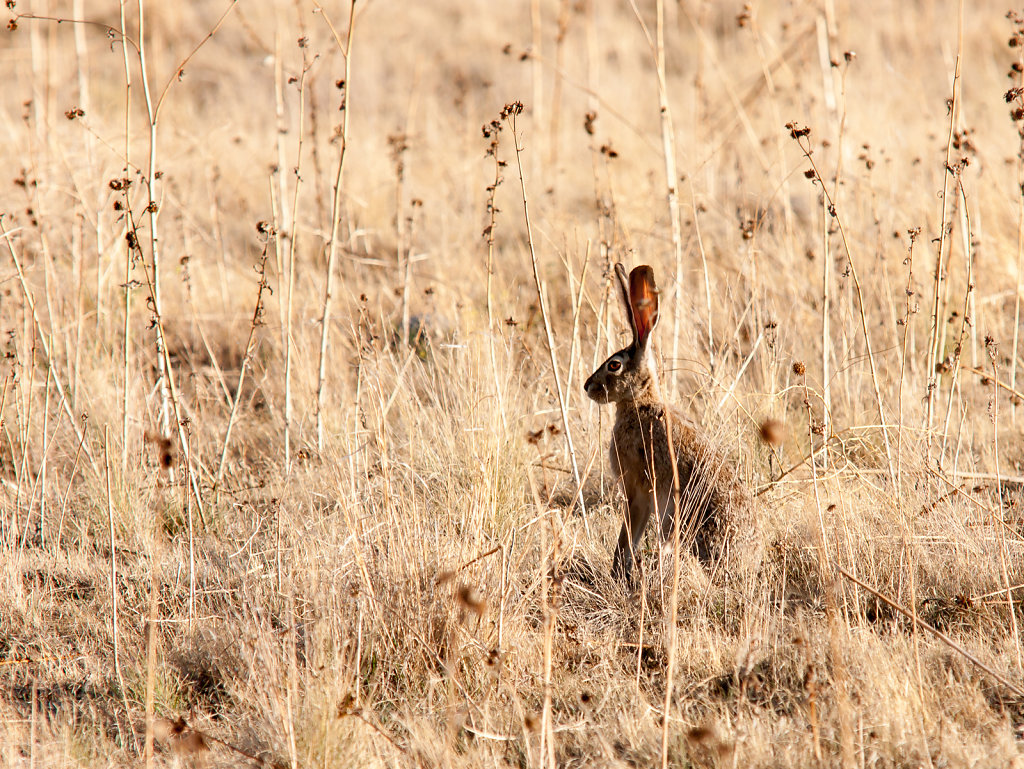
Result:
[{"x": 243, "y": 524}]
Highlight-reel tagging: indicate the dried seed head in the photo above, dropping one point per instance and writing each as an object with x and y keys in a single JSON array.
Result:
[
  {"x": 702, "y": 735},
  {"x": 183, "y": 739},
  {"x": 811, "y": 680},
  {"x": 512, "y": 110},
  {"x": 468, "y": 600},
  {"x": 799, "y": 368},
  {"x": 347, "y": 706},
  {"x": 166, "y": 453},
  {"x": 796, "y": 131},
  {"x": 773, "y": 432}
]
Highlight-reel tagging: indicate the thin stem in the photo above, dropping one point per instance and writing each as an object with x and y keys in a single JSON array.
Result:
[
  {"x": 153, "y": 210},
  {"x": 332, "y": 254},
  {"x": 510, "y": 113},
  {"x": 965, "y": 317},
  {"x": 668, "y": 147},
  {"x": 910, "y": 309},
  {"x": 491, "y": 132},
  {"x": 250, "y": 344},
  {"x": 58, "y": 382},
  {"x": 113, "y": 579},
  {"x": 158, "y": 326},
  {"x": 934, "y": 631},
  {"x": 1019, "y": 82},
  {"x": 674, "y": 597},
  {"x": 933, "y": 345},
  {"x": 991, "y": 347},
  {"x": 800, "y": 135},
  {"x": 293, "y": 238}
]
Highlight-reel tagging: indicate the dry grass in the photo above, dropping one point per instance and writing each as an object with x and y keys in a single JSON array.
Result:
[{"x": 423, "y": 591}]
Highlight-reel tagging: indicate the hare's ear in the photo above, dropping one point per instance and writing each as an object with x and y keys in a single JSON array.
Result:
[
  {"x": 620, "y": 273},
  {"x": 643, "y": 303}
]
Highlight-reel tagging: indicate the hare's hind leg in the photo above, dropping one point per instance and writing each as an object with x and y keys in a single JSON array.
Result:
[{"x": 638, "y": 509}]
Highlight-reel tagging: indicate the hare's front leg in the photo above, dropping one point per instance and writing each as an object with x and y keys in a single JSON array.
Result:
[
  {"x": 694, "y": 524},
  {"x": 638, "y": 508}
]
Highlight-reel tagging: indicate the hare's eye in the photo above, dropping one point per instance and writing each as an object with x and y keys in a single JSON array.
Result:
[{"x": 614, "y": 365}]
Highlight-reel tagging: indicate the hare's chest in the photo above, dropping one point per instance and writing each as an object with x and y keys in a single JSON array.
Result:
[{"x": 639, "y": 452}]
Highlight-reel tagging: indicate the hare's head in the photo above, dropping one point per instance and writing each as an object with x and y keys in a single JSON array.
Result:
[{"x": 630, "y": 374}]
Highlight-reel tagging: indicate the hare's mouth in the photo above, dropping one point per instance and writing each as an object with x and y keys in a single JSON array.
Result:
[{"x": 596, "y": 391}]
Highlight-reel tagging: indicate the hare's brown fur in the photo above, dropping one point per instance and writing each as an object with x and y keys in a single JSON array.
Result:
[{"x": 716, "y": 508}]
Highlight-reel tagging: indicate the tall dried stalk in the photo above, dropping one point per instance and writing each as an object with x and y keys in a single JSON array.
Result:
[
  {"x": 78, "y": 248},
  {"x": 153, "y": 210},
  {"x": 42, "y": 337},
  {"x": 113, "y": 582},
  {"x": 490, "y": 132},
  {"x": 556, "y": 92},
  {"x": 332, "y": 252},
  {"x": 250, "y": 345},
  {"x": 165, "y": 380},
  {"x": 550, "y": 589},
  {"x": 284, "y": 223},
  {"x": 403, "y": 238},
  {"x": 907, "y": 520},
  {"x": 1016, "y": 96},
  {"x": 158, "y": 326},
  {"x": 826, "y": 331},
  {"x": 800, "y": 136},
  {"x": 780, "y": 139},
  {"x": 910, "y": 309},
  {"x": 152, "y": 628},
  {"x": 825, "y": 560},
  {"x": 187, "y": 502},
  {"x": 668, "y": 147},
  {"x": 293, "y": 239},
  {"x": 47, "y": 441},
  {"x": 938, "y": 327},
  {"x": 71, "y": 478},
  {"x": 128, "y": 256},
  {"x": 991, "y": 349},
  {"x": 673, "y": 611},
  {"x": 966, "y": 313},
  {"x": 577, "y": 305},
  {"x": 704, "y": 271},
  {"x": 509, "y": 114},
  {"x": 283, "y": 233},
  {"x": 537, "y": 79}
]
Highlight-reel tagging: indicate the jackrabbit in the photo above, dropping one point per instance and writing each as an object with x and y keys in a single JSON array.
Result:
[{"x": 716, "y": 508}]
